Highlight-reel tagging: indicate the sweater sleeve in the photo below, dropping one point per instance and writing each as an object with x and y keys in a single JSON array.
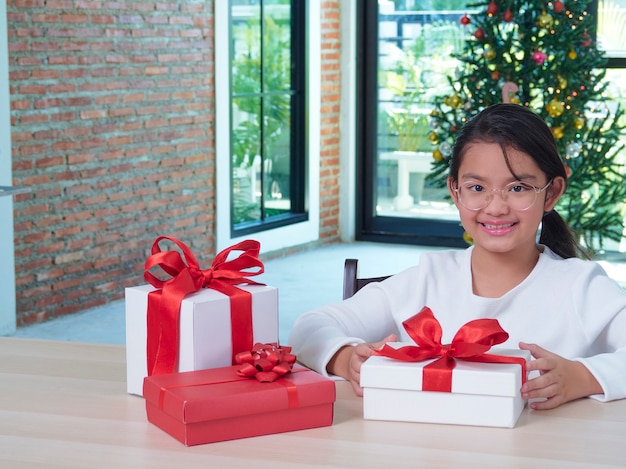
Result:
[
  {"x": 603, "y": 316},
  {"x": 366, "y": 317}
]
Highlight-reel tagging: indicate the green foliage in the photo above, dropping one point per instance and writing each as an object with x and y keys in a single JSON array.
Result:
[
  {"x": 257, "y": 70},
  {"x": 538, "y": 55}
]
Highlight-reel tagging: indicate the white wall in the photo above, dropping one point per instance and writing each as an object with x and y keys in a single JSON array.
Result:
[
  {"x": 347, "y": 194},
  {"x": 7, "y": 256}
]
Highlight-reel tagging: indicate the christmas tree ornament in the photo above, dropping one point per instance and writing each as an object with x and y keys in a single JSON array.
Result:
[
  {"x": 572, "y": 54},
  {"x": 558, "y": 6},
  {"x": 579, "y": 123},
  {"x": 555, "y": 108},
  {"x": 490, "y": 54},
  {"x": 572, "y": 150},
  {"x": 437, "y": 155},
  {"x": 465, "y": 20},
  {"x": 467, "y": 238},
  {"x": 508, "y": 16},
  {"x": 495, "y": 75},
  {"x": 455, "y": 101},
  {"x": 545, "y": 20},
  {"x": 586, "y": 40},
  {"x": 562, "y": 82},
  {"x": 492, "y": 9},
  {"x": 539, "y": 57},
  {"x": 479, "y": 34},
  {"x": 508, "y": 92},
  {"x": 558, "y": 132},
  {"x": 446, "y": 149},
  {"x": 433, "y": 137}
]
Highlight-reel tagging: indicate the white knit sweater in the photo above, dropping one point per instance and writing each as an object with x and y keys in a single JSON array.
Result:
[{"x": 567, "y": 306}]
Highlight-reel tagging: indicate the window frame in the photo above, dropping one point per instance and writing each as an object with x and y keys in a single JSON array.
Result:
[{"x": 302, "y": 227}]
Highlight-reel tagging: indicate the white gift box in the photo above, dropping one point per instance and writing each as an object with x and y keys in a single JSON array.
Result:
[
  {"x": 483, "y": 394},
  {"x": 205, "y": 329}
]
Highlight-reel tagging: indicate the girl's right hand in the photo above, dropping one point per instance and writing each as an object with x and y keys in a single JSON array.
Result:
[{"x": 348, "y": 360}]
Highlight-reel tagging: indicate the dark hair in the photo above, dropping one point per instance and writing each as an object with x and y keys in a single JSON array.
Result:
[{"x": 515, "y": 126}]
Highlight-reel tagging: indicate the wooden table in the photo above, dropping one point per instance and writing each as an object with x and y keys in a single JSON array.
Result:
[{"x": 64, "y": 404}]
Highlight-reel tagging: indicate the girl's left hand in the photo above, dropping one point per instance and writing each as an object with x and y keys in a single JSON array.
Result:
[{"x": 560, "y": 380}]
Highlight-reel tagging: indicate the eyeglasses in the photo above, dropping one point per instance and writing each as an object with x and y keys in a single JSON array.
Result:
[{"x": 519, "y": 195}]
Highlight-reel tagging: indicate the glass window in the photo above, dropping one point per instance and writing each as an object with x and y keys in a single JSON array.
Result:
[
  {"x": 409, "y": 59},
  {"x": 612, "y": 27},
  {"x": 267, "y": 133}
]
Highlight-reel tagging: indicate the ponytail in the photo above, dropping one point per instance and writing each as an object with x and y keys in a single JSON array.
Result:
[{"x": 559, "y": 237}]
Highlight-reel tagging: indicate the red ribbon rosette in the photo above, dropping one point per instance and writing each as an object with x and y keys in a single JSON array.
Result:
[
  {"x": 187, "y": 277},
  {"x": 266, "y": 362},
  {"x": 471, "y": 342}
]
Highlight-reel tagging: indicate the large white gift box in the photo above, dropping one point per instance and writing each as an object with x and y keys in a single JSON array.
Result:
[
  {"x": 483, "y": 394},
  {"x": 205, "y": 329}
]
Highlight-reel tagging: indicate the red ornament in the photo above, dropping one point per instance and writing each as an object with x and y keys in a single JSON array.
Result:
[
  {"x": 587, "y": 40},
  {"x": 465, "y": 20},
  {"x": 558, "y": 6},
  {"x": 539, "y": 57},
  {"x": 479, "y": 34},
  {"x": 508, "y": 16},
  {"x": 492, "y": 9},
  {"x": 568, "y": 171}
]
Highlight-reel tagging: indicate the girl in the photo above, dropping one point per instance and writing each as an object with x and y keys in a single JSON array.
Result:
[{"x": 505, "y": 178}]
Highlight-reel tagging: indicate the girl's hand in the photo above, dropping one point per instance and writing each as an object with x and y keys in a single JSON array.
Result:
[
  {"x": 560, "y": 380},
  {"x": 348, "y": 360}
]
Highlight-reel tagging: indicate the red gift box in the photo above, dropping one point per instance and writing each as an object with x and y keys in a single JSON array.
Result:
[{"x": 218, "y": 404}]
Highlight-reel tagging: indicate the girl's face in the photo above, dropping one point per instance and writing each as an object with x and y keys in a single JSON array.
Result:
[{"x": 497, "y": 227}]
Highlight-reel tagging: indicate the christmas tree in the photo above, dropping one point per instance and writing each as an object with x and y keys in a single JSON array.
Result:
[{"x": 542, "y": 54}]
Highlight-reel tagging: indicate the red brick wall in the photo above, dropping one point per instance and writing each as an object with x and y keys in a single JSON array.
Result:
[
  {"x": 329, "y": 126},
  {"x": 112, "y": 114}
]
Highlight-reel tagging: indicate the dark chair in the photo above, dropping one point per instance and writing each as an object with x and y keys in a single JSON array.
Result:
[{"x": 351, "y": 281}]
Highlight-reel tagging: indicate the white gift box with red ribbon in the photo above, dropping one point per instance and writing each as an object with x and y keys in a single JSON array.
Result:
[
  {"x": 483, "y": 394},
  {"x": 205, "y": 329},
  {"x": 190, "y": 318},
  {"x": 465, "y": 382}
]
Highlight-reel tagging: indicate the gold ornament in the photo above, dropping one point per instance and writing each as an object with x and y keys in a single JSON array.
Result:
[
  {"x": 437, "y": 155},
  {"x": 433, "y": 137},
  {"x": 467, "y": 238},
  {"x": 514, "y": 100},
  {"x": 558, "y": 132},
  {"x": 579, "y": 123},
  {"x": 562, "y": 82},
  {"x": 545, "y": 20},
  {"x": 555, "y": 108},
  {"x": 453, "y": 101},
  {"x": 490, "y": 54},
  {"x": 572, "y": 54}
]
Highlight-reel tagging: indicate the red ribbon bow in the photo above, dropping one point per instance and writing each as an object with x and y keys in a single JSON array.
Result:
[
  {"x": 164, "y": 303},
  {"x": 266, "y": 362},
  {"x": 470, "y": 343}
]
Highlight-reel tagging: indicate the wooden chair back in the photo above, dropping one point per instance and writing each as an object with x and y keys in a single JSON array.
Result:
[{"x": 351, "y": 280}]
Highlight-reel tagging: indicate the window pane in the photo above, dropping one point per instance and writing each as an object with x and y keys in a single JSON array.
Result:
[
  {"x": 612, "y": 27},
  {"x": 246, "y": 154},
  {"x": 262, "y": 97},
  {"x": 416, "y": 43},
  {"x": 277, "y": 46},
  {"x": 246, "y": 33},
  {"x": 277, "y": 142}
]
